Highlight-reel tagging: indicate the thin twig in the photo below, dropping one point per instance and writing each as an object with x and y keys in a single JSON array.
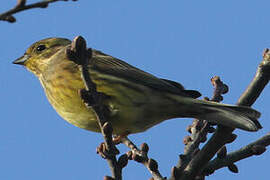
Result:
[
  {"x": 223, "y": 134},
  {"x": 78, "y": 53},
  {"x": 8, "y": 15},
  {"x": 248, "y": 97},
  {"x": 258, "y": 83},
  {"x": 254, "y": 148},
  {"x": 199, "y": 130},
  {"x": 141, "y": 156},
  {"x": 126, "y": 141}
]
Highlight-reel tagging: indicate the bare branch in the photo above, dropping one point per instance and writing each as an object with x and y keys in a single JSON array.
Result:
[
  {"x": 199, "y": 130},
  {"x": 78, "y": 53},
  {"x": 20, "y": 6},
  {"x": 258, "y": 83},
  {"x": 141, "y": 156},
  {"x": 126, "y": 141},
  {"x": 254, "y": 148},
  {"x": 223, "y": 134}
]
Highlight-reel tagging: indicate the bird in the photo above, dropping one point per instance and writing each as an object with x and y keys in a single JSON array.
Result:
[{"x": 135, "y": 100}]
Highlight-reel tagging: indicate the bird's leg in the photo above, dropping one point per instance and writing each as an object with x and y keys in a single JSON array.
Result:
[{"x": 117, "y": 139}]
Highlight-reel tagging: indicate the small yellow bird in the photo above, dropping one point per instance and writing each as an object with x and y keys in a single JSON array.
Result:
[{"x": 136, "y": 100}]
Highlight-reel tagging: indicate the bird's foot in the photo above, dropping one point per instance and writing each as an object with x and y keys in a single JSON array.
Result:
[{"x": 117, "y": 139}]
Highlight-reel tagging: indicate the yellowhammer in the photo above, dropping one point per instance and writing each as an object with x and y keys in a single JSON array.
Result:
[{"x": 136, "y": 100}]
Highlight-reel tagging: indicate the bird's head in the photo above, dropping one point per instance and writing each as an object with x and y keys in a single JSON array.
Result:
[{"x": 38, "y": 55}]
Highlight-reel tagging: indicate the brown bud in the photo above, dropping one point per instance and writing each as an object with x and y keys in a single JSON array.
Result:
[
  {"x": 174, "y": 172},
  {"x": 215, "y": 80},
  {"x": 101, "y": 148},
  {"x": 144, "y": 147},
  {"x": 182, "y": 157},
  {"x": 222, "y": 152},
  {"x": 129, "y": 155},
  {"x": 10, "y": 19},
  {"x": 186, "y": 140},
  {"x": 265, "y": 52},
  {"x": 123, "y": 160},
  {"x": 233, "y": 168},
  {"x": 78, "y": 46},
  {"x": 218, "y": 98},
  {"x": 20, "y": 3},
  {"x": 153, "y": 165},
  {"x": 225, "y": 89},
  {"x": 137, "y": 157},
  {"x": 188, "y": 129},
  {"x": 231, "y": 138},
  {"x": 197, "y": 124},
  {"x": 258, "y": 149}
]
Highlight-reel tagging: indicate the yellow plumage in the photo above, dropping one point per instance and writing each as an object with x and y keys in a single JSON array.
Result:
[{"x": 136, "y": 100}]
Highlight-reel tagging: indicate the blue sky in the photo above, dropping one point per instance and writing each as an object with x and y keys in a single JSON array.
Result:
[{"x": 185, "y": 41}]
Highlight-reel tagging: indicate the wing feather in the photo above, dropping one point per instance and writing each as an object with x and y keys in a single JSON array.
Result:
[{"x": 116, "y": 67}]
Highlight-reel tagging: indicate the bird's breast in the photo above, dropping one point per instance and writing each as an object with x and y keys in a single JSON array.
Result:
[{"x": 62, "y": 88}]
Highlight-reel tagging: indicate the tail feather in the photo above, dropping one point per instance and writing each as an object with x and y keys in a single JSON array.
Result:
[
  {"x": 249, "y": 112},
  {"x": 241, "y": 109},
  {"x": 241, "y": 117},
  {"x": 230, "y": 117}
]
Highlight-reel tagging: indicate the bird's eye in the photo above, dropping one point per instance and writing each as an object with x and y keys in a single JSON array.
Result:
[{"x": 41, "y": 48}]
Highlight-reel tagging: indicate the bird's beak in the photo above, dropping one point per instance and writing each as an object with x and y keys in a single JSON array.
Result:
[{"x": 21, "y": 60}]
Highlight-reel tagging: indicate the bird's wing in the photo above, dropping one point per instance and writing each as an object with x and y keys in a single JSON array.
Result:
[
  {"x": 116, "y": 67},
  {"x": 190, "y": 93}
]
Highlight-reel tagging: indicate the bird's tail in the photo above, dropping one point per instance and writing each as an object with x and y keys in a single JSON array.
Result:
[{"x": 241, "y": 117}]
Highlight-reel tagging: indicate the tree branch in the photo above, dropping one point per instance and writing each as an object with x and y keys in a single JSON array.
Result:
[
  {"x": 248, "y": 97},
  {"x": 258, "y": 83},
  {"x": 20, "y": 6},
  {"x": 223, "y": 134},
  {"x": 255, "y": 148},
  {"x": 79, "y": 54},
  {"x": 141, "y": 156},
  {"x": 199, "y": 130}
]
